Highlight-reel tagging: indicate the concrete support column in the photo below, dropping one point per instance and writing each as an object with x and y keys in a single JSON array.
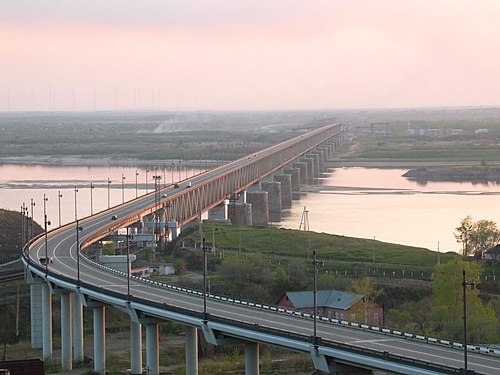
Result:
[
  {"x": 316, "y": 163},
  {"x": 66, "y": 332},
  {"x": 77, "y": 329},
  {"x": 36, "y": 315},
  {"x": 295, "y": 180},
  {"x": 274, "y": 198},
  {"x": 286, "y": 189},
  {"x": 219, "y": 212},
  {"x": 304, "y": 177},
  {"x": 260, "y": 207},
  {"x": 47, "y": 320},
  {"x": 191, "y": 350},
  {"x": 252, "y": 358},
  {"x": 172, "y": 227},
  {"x": 152, "y": 349},
  {"x": 310, "y": 170},
  {"x": 135, "y": 348},
  {"x": 240, "y": 213},
  {"x": 99, "y": 339}
]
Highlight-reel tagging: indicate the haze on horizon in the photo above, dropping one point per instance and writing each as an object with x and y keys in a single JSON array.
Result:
[{"x": 89, "y": 55}]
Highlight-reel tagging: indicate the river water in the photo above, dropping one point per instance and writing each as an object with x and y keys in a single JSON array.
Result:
[{"x": 359, "y": 202}]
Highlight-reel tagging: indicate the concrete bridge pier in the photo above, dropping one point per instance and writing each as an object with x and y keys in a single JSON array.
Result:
[
  {"x": 173, "y": 229},
  {"x": 135, "y": 348},
  {"x": 152, "y": 349},
  {"x": 218, "y": 212},
  {"x": 191, "y": 350},
  {"x": 66, "y": 332},
  {"x": 316, "y": 164},
  {"x": 304, "y": 177},
  {"x": 260, "y": 207},
  {"x": 36, "y": 312},
  {"x": 295, "y": 181},
  {"x": 77, "y": 313},
  {"x": 286, "y": 189},
  {"x": 99, "y": 315},
  {"x": 240, "y": 213},
  {"x": 310, "y": 170},
  {"x": 252, "y": 358},
  {"x": 274, "y": 198},
  {"x": 47, "y": 320}
]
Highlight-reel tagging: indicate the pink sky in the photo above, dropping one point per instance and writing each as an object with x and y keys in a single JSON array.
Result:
[{"x": 230, "y": 55}]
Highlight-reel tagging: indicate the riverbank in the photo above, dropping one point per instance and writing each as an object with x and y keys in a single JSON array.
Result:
[{"x": 456, "y": 173}]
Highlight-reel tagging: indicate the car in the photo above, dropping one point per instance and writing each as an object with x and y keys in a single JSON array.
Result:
[
  {"x": 114, "y": 217},
  {"x": 188, "y": 185},
  {"x": 176, "y": 186},
  {"x": 164, "y": 195},
  {"x": 44, "y": 260}
]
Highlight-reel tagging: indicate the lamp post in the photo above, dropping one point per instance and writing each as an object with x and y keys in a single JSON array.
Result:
[
  {"x": 204, "y": 249},
  {"x": 128, "y": 265},
  {"x": 464, "y": 286},
  {"x": 46, "y": 224},
  {"x": 147, "y": 171},
  {"x": 136, "y": 175},
  {"x": 59, "y": 196},
  {"x": 91, "y": 200},
  {"x": 76, "y": 212},
  {"x": 32, "y": 204},
  {"x": 78, "y": 230},
  {"x": 23, "y": 229},
  {"x": 164, "y": 171},
  {"x": 109, "y": 183},
  {"x": 123, "y": 188},
  {"x": 157, "y": 179},
  {"x": 315, "y": 297}
]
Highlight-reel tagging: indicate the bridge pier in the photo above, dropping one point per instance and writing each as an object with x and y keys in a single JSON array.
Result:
[
  {"x": 173, "y": 229},
  {"x": 286, "y": 189},
  {"x": 310, "y": 170},
  {"x": 36, "y": 314},
  {"x": 66, "y": 332},
  {"x": 218, "y": 212},
  {"x": 47, "y": 320},
  {"x": 274, "y": 198},
  {"x": 260, "y": 207},
  {"x": 135, "y": 348},
  {"x": 252, "y": 358},
  {"x": 152, "y": 349},
  {"x": 191, "y": 350},
  {"x": 295, "y": 181},
  {"x": 77, "y": 314},
  {"x": 99, "y": 315},
  {"x": 240, "y": 213}
]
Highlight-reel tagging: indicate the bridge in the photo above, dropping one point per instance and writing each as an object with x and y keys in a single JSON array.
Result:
[{"x": 55, "y": 265}]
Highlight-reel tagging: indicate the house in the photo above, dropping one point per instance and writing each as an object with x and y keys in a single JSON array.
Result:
[
  {"x": 492, "y": 254},
  {"x": 333, "y": 304}
]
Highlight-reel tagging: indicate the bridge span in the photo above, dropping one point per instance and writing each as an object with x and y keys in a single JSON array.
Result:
[{"x": 55, "y": 266}]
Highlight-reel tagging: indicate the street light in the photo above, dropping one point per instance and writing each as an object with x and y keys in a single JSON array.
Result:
[
  {"x": 109, "y": 183},
  {"x": 123, "y": 188},
  {"x": 315, "y": 297},
  {"x": 46, "y": 224},
  {"x": 128, "y": 265},
  {"x": 136, "y": 174},
  {"x": 59, "y": 196},
  {"x": 78, "y": 230},
  {"x": 164, "y": 179},
  {"x": 76, "y": 212},
  {"x": 204, "y": 249},
  {"x": 91, "y": 200},
  {"x": 473, "y": 286},
  {"x": 32, "y": 204}
]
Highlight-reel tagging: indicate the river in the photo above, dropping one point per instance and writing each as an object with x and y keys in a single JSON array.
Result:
[{"x": 359, "y": 202}]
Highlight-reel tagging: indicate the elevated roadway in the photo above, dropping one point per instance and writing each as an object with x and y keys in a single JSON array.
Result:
[{"x": 338, "y": 348}]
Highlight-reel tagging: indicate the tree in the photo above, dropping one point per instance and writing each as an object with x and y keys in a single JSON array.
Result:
[
  {"x": 484, "y": 236},
  {"x": 367, "y": 288},
  {"x": 476, "y": 238},
  {"x": 448, "y": 304},
  {"x": 463, "y": 234}
]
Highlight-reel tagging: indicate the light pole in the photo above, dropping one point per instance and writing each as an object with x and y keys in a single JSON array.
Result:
[
  {"x": 136, "y": 175},
  {"x": 123, "y": 188},
  {"x": 473, "y": 286},
  {"x": 109, "y": 183},
  {"x": 147, "y": 171},
  {"x": 315, "y": 297},
  {"x": 91, "y": 200},
  {"x": 23, "y": 229},
  {"x": 157, "y": 179},
  {"x": 59, "y": 196},
  {"x": 32, "y": 204},
  {"x": 46, "y": 224},
  {"x": 164, "y": 171},
  {"x": 78, "y": 230},
  {"x": 76, "y": 212},
  {"x": 128, "y": 265},
  {"x": 204, "y": 249}
]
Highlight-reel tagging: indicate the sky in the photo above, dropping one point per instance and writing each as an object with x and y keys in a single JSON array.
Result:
[{"x": 91, "y": 55}]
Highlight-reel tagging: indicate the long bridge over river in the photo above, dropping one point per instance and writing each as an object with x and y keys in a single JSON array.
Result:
[{"x": 55, "y": 265}]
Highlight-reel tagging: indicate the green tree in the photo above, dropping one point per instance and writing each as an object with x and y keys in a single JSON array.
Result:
[
  {"x": 367, "y": 288},
  {"x": 484, "y": 236},
  {"x": 448, "y": 304},
  {"x": 463, "y": 234}
]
